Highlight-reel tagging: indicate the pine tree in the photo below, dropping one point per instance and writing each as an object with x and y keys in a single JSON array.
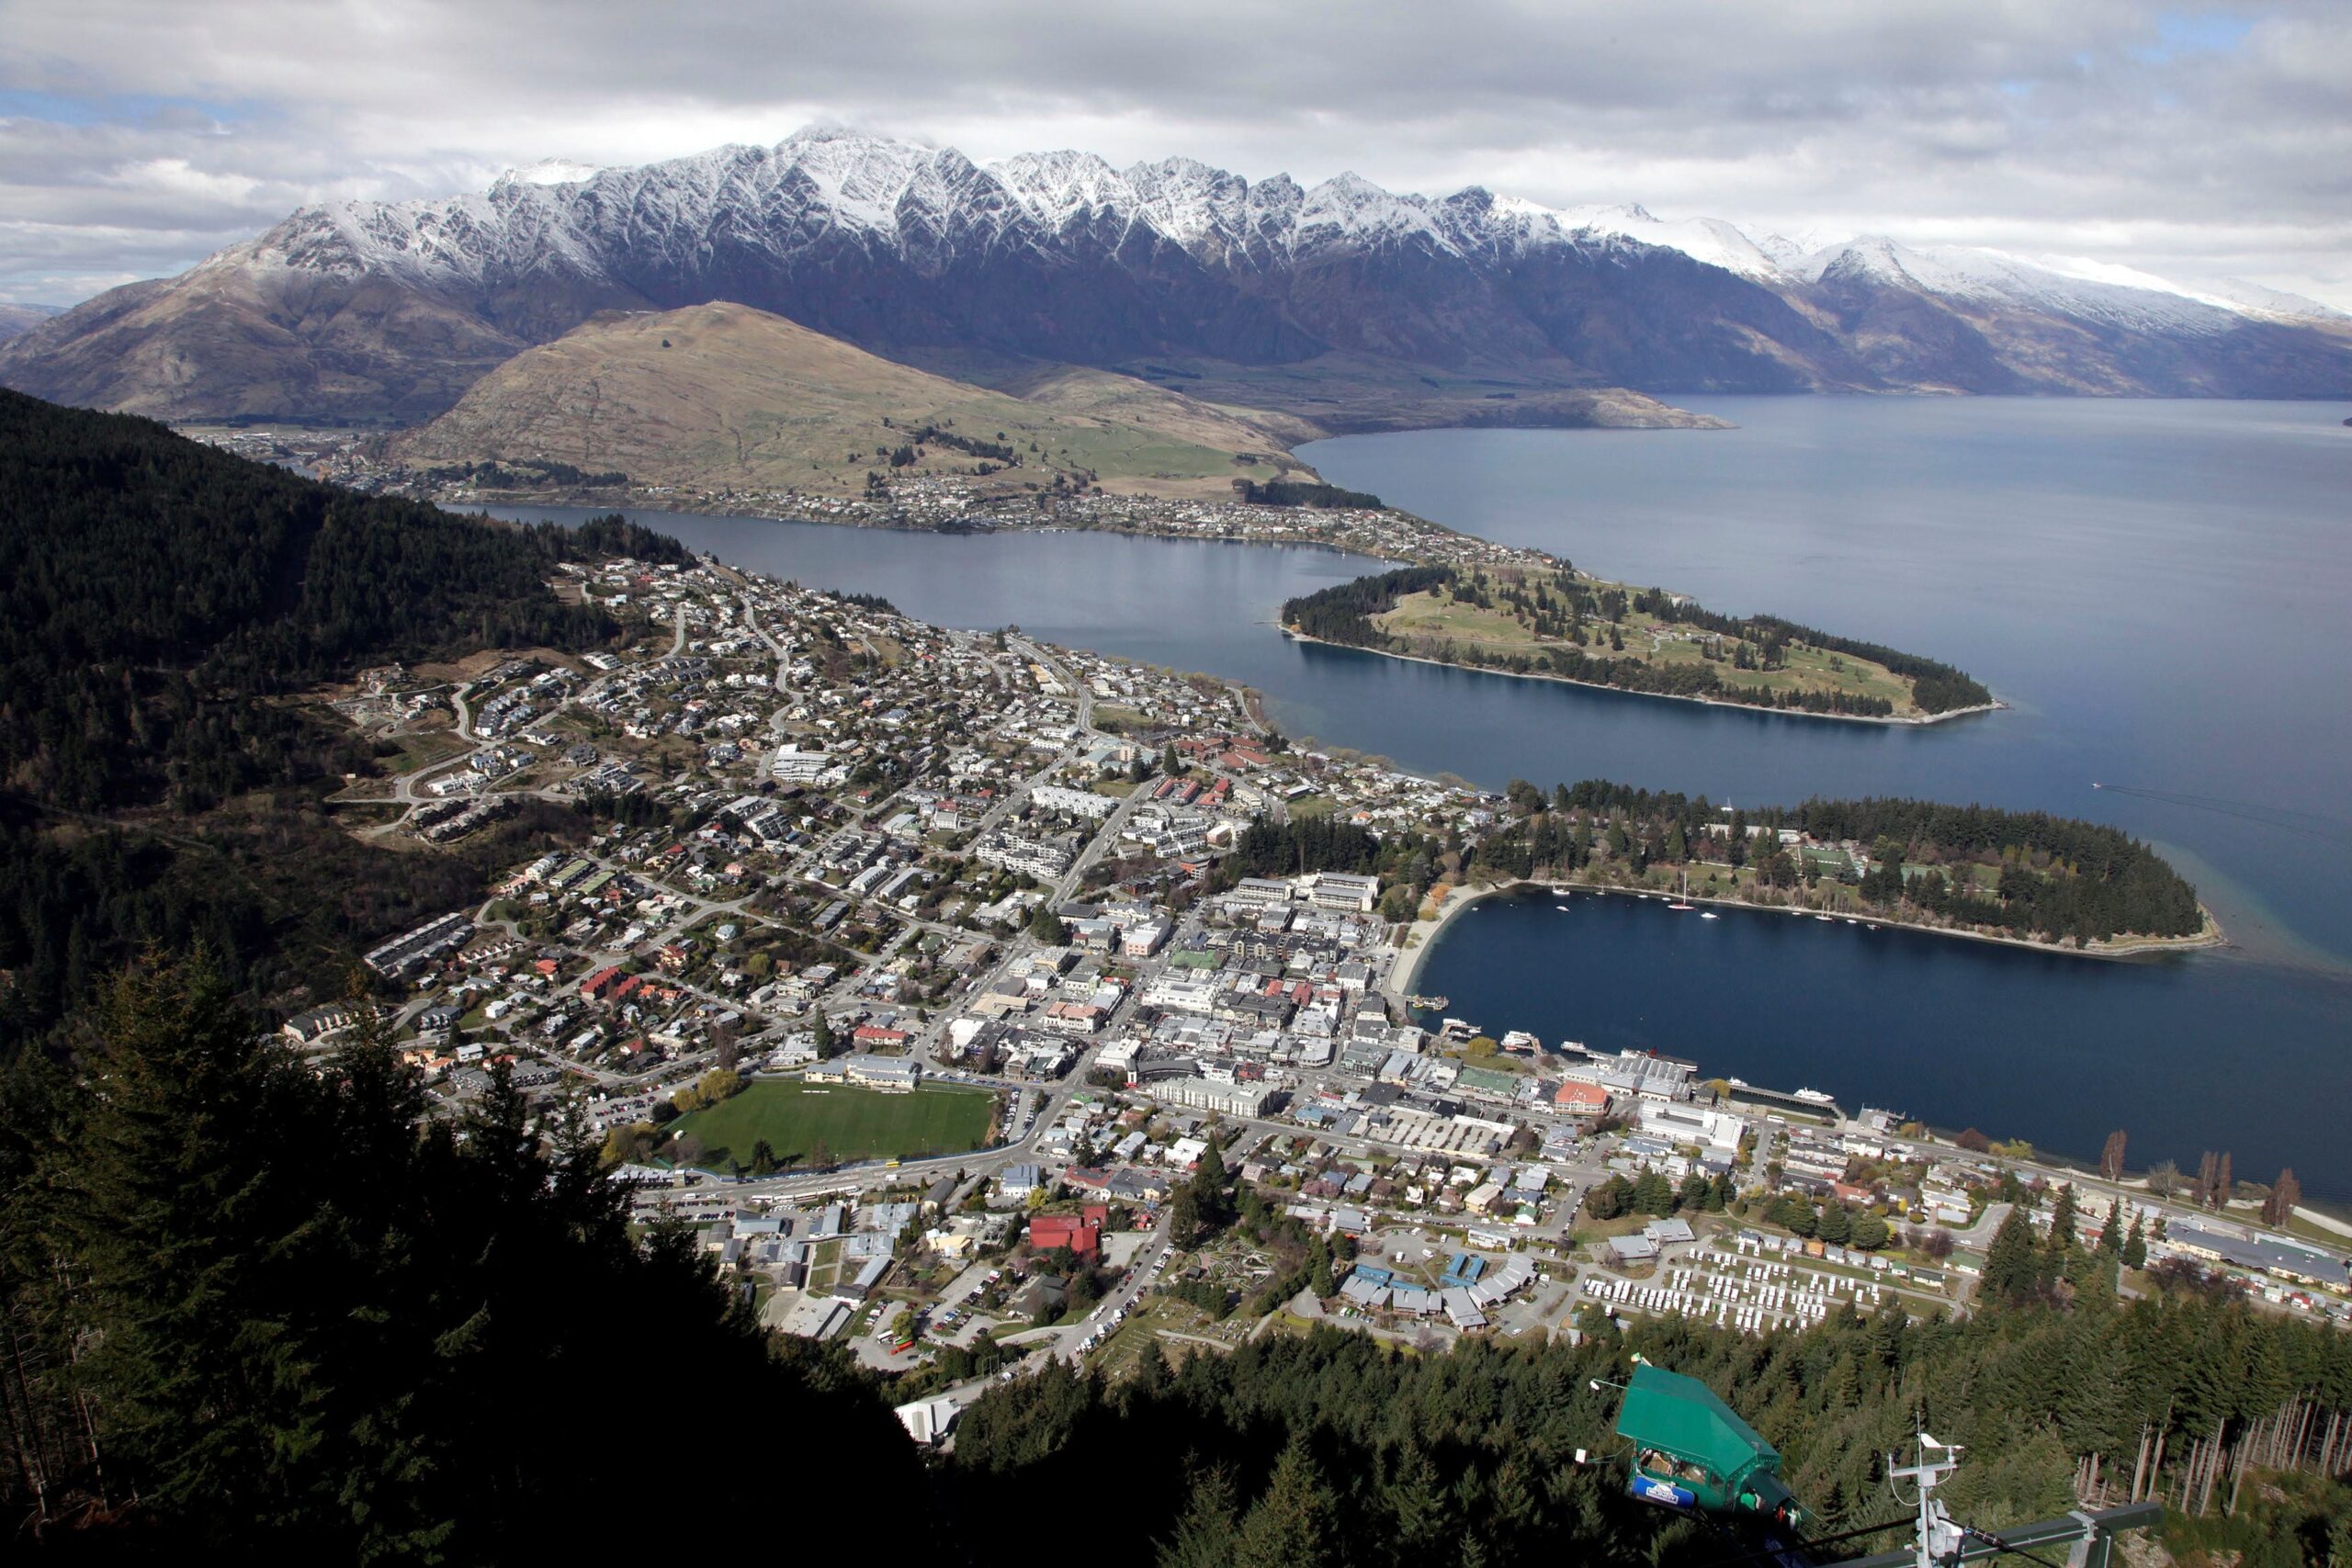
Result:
[
  {"x": 1210, "y": 1171},
  {"x": 177, "y": 1224},
  {"x": 2010, "y": 1262},
  {"x": 1418, "y": 1504},
  {"x": 1319, "y": 1269},
  {"x": 1845, "y": 1385},
  {"x": 1205, "y": 1537},
  {"x": 1151, "y": 1373},
  {"x": 1653, "y": 1194},
  {"x": 2135, "y": 1246},
  {"x": 1291, "y": 1525},
  {"x": 2110, "y": 1233}
]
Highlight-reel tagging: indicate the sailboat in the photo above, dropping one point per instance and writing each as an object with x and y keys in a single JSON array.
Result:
[{"x": 1683, "y": 904}]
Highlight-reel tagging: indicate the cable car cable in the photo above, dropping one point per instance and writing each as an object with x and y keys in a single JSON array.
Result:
[
  {"x": 1802, "y": 1544},
  {"x": 1998, "y": 1545}
]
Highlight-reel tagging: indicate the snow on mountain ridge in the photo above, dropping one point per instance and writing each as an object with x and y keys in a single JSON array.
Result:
[
  {"x": 930, "y": 203},
  {"x": 2094, "y": 292}
]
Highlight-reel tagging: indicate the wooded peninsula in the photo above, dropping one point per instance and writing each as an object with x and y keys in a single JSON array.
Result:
[
  {"x": 1552, "y": 622},
  {"x": 1968, "y": 870}
]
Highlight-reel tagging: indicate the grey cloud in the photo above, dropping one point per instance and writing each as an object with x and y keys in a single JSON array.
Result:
[{"x": 2030, "y": 126}]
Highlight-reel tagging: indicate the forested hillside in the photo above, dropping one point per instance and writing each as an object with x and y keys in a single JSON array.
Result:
[
  {"x": 157, "y": 588},
  {"x": 162, "y": 603},
  {"x": 264, "y": 1313},
  {"x": 1333, "y": 1450}
]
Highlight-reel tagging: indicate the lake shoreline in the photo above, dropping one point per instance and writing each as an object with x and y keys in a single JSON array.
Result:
[
  {"x": 1421, "y": 937},
  {"x": 1915, "y": 721}
]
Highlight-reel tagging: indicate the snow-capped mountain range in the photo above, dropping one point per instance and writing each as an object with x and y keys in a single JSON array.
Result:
[
  {"x": 925, "y": 201},
  {"x": 389, "y": 310}
]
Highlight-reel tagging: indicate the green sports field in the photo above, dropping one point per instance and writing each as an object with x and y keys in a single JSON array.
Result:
[{"x": 851, "y": 1123}]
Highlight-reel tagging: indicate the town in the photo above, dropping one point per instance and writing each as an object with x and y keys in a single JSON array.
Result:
[
  {"x": 933, "y": 504},
  {"x": 985, "y": 1004}
]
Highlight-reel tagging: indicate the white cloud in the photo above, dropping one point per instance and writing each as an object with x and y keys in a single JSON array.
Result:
[{"x": 2204, "y": 143}]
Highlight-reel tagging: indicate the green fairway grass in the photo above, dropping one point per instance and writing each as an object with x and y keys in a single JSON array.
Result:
[{"x": 853, "y": 1124}]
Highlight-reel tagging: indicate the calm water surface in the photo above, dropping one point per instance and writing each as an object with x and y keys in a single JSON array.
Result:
[{"x": 2162, "y": 591}]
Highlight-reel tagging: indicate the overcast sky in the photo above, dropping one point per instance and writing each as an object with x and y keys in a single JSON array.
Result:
[{"x": 2197, "y": 143}]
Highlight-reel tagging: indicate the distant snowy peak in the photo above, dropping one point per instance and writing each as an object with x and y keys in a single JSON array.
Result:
[
  {"x": 2084, "y": 291},
  {"x": 2258, "y": 299}
]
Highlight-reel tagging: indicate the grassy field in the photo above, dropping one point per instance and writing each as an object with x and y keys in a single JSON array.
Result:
[
  {"x": 425, "y": 747},
  {"x": 1478, "y": 632},
  {"x": 851, "y": 1123}
]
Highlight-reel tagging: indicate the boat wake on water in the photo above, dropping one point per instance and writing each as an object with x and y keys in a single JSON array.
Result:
[{"x": 2244, "y": 810}]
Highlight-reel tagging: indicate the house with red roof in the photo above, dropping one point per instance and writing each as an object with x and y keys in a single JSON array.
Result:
[{"x": 1081, "y": 1233}]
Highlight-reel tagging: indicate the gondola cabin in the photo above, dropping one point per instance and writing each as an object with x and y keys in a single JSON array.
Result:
[{"x": 1692, "y": 1453}]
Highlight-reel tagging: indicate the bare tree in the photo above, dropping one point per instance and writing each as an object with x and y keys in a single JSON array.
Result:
[
  {"x": 2110, "y": 1158},
  {"x": 2285, "y": 1193}
]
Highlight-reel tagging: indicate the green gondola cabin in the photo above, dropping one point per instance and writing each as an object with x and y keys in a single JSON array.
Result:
[{"x": 1692, "y": 1451}]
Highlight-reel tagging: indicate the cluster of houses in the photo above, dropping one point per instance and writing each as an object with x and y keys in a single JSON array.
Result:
[{"x": 1463, "y": 1294}]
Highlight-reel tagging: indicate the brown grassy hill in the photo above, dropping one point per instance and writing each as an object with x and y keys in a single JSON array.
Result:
[{"x": 723, "y": 396}]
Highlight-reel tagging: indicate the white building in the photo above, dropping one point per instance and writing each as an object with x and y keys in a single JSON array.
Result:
[
  {"x": 1340, "y": 890},
  {"x": 1073, "y": 802},
  {"x": 1205, "y": 1094}
]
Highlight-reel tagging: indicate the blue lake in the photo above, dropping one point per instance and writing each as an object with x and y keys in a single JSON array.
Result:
[{"x": 2160, "y": 590}]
